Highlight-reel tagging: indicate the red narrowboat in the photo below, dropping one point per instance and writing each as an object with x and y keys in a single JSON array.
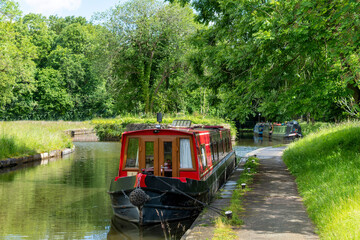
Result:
[{"x": 168, "y": 174}]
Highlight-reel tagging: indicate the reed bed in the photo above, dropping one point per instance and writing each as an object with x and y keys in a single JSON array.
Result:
[
  {"x": 327, "y": 169},
  {"x": 22, "y": 138}
]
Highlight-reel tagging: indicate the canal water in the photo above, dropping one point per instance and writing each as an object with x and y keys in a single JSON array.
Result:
[{"x": 67, "y": 198}]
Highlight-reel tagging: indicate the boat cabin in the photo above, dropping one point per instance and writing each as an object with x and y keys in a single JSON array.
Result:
[
  {"x": 258, "y": 129},
  {"x": 291, "y": 129},
  {"x": 178, "y": 152}
]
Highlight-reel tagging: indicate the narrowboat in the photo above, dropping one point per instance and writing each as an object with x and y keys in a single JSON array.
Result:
[
  {"x": 267, "y": 131},
  {"x": 170, "y": 174},
  {"x": 258, "y": 129},
  {"x": 290, "y": 130}
]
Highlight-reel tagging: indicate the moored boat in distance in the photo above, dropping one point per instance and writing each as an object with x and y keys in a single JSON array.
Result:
[
  {"x": 170, "y": 174},
  {"x": 268, "y": 128},
  {"x": 258, "y": 129},
  {"x": 290, "y": 130}
]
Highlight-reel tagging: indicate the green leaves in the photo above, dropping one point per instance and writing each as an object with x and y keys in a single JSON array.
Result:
[
  {"x": 283, "y": 59},
  {"x": 150, "y": 49}
]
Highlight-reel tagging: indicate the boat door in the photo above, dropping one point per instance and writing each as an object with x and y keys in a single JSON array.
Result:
[{"x": 158, "y": 155}]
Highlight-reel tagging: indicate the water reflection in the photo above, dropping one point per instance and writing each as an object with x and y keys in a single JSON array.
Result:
[
  {"x": 249, "y": 139},
  {"x": 121, "y": 229},
  {"x": 67, "y": 198},
  {"x": 64, "y": 199}
]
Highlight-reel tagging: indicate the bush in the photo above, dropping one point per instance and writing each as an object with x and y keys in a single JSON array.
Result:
[{"x": 111, "y": 129}]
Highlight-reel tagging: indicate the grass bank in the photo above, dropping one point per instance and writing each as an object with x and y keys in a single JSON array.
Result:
[
  {"x": 113, "y": 128},
  {"x": 307, "y": 128},
  {"x": 327, "y": 170},
  {"x": 23, "y": 138}
]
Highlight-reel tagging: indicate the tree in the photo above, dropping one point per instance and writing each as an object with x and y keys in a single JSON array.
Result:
[
  {"x": 151, "y": 41},
  {"x": 281, "y": 58},
  {"x": 17, "y": 68}
]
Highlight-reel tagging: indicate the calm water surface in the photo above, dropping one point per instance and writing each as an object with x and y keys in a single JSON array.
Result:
[{"x": 67, "y": 198}]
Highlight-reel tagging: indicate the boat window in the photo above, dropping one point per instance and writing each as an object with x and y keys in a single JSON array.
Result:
[
  {"x": 168, "y": 155},
  {"x": 226, "y": 145},
  {"x": 212, "y": 152},
  {"x": 221, "y": 147},
  {"x": 149, "y": 154},
  {"x": 185, "y": 154},
  {"x": 216, "y": 151},
  {"x": 203, "y": 156},
  {"x": 132, "y": 160}
]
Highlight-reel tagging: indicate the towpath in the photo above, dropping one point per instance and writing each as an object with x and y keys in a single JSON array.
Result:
[{"x": 273, "y": 209}]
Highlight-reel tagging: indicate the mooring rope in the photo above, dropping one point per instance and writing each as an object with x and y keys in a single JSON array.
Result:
[{"x": 215, "y": 209}]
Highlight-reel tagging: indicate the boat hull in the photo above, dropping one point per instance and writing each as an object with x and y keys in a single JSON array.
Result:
[
  {"x": 170, "y": 199},
  {"x": 286, "y": 136}
]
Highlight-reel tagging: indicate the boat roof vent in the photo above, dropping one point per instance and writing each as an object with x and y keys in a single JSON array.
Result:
[{"x": 181, "y": 123}]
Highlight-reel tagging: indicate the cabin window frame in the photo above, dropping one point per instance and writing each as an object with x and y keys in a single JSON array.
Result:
[
  {"x": 131, "y": 169},
  {"x": 221, "y": 148},
  {"x": 203, "y": 157},
  {"x": 216, "y": 151},
  {"x": 227, "y": 144},
  {"x": 176, "y": 153},
  {"x": 213, "y": 160},
  {"x": 192, "y": 154}
]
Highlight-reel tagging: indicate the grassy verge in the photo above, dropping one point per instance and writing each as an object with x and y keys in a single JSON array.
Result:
[
  {"x": 223, "y": 225},
  {"x": 307, "y": 128},
  {"x": 22, "y": 138},
  {"x": 327, "y": 170},
  {"x": 113, "y": 128}
]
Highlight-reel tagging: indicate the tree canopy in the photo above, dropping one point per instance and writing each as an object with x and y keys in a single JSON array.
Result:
[
  {"x": 150, "y": 47},
  {"x": 233, "y": 59},
  {"x": 283, "y": 59}
]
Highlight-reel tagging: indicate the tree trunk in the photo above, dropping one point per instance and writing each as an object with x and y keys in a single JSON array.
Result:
[{"x": 146, "y": 83}]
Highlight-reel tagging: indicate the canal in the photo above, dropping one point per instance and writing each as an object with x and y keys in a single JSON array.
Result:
[{"x": 67, "y": 198}]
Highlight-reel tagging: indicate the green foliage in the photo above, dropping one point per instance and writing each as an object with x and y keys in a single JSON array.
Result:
[
  {"x": 53, "y": 98},
  {"x": 307, "y": 128},
  {"x": 111, "y": 129},
  {"x": 149, "y": 64},
  {"x": 16, "y": 66},
  {"x": 51, "y": 68},
  {"x": 282, "y": 59},
  {"x": 9, "y": 10},
  {"x": 326, "y": 166}
]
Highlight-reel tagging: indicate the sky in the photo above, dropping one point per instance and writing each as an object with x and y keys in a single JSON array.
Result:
[{"x": 62, "y": 8}]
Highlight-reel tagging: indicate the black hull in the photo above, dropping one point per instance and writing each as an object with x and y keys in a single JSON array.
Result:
[
  {"x": 285, "y": 136},
  {"x": 168, "y": 203}
]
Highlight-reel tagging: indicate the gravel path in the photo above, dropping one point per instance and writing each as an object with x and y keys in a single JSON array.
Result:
[{"x": 273, "y": 209}]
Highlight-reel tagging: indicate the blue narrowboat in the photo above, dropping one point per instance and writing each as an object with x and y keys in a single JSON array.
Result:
[{"x": 258, "y": 129}]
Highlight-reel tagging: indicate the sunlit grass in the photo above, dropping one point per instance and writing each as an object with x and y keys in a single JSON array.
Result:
[
  {"x": 223, "y": 231},
  {"x": 22, "y": 138},
  {"x": 307, "y": 128},
  {"x": 327, "y": 167}
]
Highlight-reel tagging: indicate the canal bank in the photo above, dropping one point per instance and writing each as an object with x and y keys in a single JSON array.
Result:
[
  {"x": 273, "y": 209},
  {"x": 15, "y": 162},
  {"x": 77, "y": 135}
]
